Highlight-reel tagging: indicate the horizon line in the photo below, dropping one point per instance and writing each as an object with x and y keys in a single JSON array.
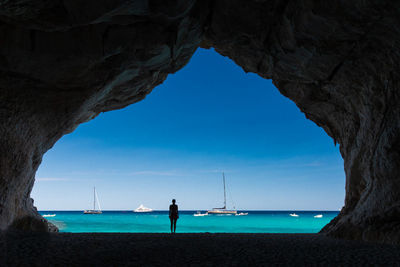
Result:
[{"x": 204, "y": 209}]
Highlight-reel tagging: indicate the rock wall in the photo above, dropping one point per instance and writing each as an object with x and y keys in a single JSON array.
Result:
[
  {"x": 339, "y": 62},
  {"x": 64, "y": 62}
]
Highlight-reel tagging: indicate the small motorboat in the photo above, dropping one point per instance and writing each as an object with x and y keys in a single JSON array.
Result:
[
  {"x": 318, "y": 216},
  {"x": 142, "y": 208},
  {"x": 242, "y": 214},
  {"x": 199, "y": 214},
  {"x": 294, "y": 215},
  {"x": 49, "y": 215}
]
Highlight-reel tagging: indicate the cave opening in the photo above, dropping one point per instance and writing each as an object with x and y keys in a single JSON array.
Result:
[
  {"x": 62, "y": 64},
  {"x": 207, "y": 118}
]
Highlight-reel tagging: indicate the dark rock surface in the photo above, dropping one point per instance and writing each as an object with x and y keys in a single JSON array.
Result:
[
  {"x": 339, "y": 62},
  {"x": 64, "y": 62}
]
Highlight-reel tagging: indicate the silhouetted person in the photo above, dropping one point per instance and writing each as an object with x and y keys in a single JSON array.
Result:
[{"x": 173, "y": 215}]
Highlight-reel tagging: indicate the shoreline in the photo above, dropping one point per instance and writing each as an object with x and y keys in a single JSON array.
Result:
[{"x": 211, "y": 249}]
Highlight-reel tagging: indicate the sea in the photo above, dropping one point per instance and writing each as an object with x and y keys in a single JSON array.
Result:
[{"x": 158, "y": 222}]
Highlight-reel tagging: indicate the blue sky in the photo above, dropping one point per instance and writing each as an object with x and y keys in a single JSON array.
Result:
[{"x": 207, "y": 118}]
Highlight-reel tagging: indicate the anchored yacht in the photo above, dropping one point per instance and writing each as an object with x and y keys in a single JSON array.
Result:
[
  {"x": 94, "y": 211},
  {"x": 223, "y": 210}
]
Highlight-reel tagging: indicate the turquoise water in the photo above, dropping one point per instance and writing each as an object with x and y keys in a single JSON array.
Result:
[{"x": 158, "y": 222}]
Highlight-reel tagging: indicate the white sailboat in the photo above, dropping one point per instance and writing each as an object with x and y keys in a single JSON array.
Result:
[
  {"x": 142, "y": 208},
  {"x": 223, "y": 210},
  {"x": 94, "y": 211}
]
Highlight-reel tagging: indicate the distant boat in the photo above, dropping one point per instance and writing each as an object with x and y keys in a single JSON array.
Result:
[
  {"x": 142, "y": 208},
  {"x": 49, "y": 215},
  {"x": 223, "y": 210},
  {"x": 318, "y": 216},
  {"x": 294, "y": 215},
  {"x": 242, "y": 214},
  {"x": 94, "y": 211},
  {"x": 199, "y": 214}
]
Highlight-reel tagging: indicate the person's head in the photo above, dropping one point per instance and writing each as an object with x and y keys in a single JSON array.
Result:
[{"x": 173, "y": 201}]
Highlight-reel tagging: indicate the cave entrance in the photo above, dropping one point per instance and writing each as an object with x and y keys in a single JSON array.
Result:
[{"x": 207, "y": 118}]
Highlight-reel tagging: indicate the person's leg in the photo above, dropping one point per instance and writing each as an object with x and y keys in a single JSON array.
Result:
[
  {"x": 175, "y": 219},
  {"x": 172, "y": 222}
]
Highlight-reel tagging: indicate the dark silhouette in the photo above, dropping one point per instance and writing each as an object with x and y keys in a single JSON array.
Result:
[{"x": 173, "y": 215}]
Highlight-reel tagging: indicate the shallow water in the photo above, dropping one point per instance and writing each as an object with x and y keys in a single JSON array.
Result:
[{"x": 158, "y": 222}]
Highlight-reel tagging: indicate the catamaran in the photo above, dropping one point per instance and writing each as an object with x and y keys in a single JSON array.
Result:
[
  {"x": 223, "y": 210},
  {"x": 94, "y": 211}
]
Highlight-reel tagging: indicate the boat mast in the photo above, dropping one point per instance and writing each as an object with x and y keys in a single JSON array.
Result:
[
  {"x": 223, "y": 175},
  {"x": 94, "y": 198}
]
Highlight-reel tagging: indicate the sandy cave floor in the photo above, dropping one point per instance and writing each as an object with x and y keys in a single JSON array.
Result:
[{"x": 120, "y": 249}]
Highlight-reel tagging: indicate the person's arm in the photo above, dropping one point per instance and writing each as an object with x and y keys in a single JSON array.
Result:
[
  {"x": 177, "y": 211},
  {"x": 170, "y": 210}
]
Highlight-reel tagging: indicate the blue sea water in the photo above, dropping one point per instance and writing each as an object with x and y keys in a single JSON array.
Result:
[{"x": 158, "y": 222}]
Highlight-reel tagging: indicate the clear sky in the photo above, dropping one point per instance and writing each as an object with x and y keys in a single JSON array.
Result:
[{"x": 207, "y": 118}]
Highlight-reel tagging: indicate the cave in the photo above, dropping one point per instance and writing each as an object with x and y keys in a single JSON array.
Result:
[{"x": 64, "y": 62}]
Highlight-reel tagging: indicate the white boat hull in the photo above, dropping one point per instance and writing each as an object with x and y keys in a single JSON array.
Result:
[
  {"x": 222, "y": 212},
  {"x": 200, "y": 215},
  {"x": 92, "y": 212},
  {"x": 142, "y": 208}
]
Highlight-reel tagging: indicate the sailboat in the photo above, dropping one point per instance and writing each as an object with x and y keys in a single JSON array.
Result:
[
  {"x": 94, "y": 211},
  {"x": 222, "y": 210}
]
